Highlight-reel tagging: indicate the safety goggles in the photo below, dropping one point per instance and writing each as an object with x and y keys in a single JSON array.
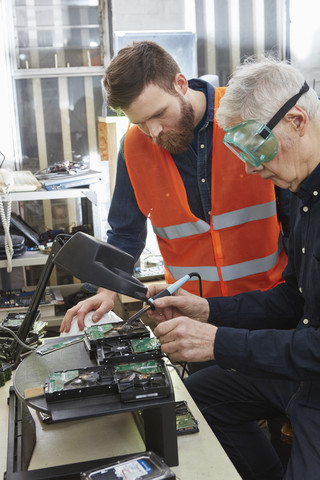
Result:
[{"x": 252, "y": 141}]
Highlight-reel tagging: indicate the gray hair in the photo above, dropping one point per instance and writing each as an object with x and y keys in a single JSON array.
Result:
[{"x": 257, "y": 89}]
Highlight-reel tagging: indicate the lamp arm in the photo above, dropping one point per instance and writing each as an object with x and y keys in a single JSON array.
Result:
[{"x": 12, "y": 353}]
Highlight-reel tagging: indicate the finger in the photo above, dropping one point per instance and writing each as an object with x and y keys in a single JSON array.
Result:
[
  {"x": 67, "y": 320},
  {"x": 173, "y": 353},
  {"x": 157, "y": 316},
  {"x": 170, "y": 301},
  {"x": 165, "y": 328},
  {"x": 175, "y": 348},
  {"x": 154, "y": 289},
  {"x": 102, "y": 310},
  {"x": 81, "y": 316}
]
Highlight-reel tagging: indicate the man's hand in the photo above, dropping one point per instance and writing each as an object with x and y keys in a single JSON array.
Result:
[
  {"x": 102, "y": 303},
  {"x": 181, "y": 303},
  {"x": 186, "y": 340}
]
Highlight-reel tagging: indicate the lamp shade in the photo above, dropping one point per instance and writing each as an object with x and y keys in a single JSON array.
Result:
[{"x": 101, "y": 264}]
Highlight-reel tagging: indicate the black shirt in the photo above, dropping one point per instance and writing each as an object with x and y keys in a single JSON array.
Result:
[{"x": 281, "y": 335}]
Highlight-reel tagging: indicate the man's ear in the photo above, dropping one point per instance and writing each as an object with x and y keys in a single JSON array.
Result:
[
  {"x": 298, "y": 118},
  {"x": 181, "y": 83}
]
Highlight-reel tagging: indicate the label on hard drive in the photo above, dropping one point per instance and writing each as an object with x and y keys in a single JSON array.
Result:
[
  {"x": 133, "y": 470},
  {"x": 147, "y": 466}
]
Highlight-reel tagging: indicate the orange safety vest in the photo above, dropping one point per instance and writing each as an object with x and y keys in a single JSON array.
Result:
[{"x": 241, "y": 249}]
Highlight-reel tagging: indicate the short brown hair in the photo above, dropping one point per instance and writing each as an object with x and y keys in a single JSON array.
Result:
[{"x": 135, "y": 67}]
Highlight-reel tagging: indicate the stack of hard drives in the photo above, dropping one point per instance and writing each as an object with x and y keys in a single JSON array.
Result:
[
  {"x": 129, "y": 363},
  {"x": 12, "y": 323}
]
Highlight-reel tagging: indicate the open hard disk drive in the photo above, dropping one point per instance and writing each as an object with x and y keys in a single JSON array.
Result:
[
  {"x": 138, "y": 381},
  {"x": 97, "y": 335},
  {"x": 125, "y": 351},
  {"x": 81, "y": 382}
]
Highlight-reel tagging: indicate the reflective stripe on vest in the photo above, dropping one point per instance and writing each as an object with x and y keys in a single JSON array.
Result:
[
  {"x": 231, "y": 272},
  {"x": 225, "y": 220},
  {"x": 183, "y": 230},
  {"x": 244, "y": 215}
]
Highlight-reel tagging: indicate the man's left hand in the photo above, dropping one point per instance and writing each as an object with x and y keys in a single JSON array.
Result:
[{"x": 186, "y": 340}]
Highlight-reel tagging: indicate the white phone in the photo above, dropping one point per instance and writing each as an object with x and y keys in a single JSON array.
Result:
[
  {"x": 18, "y": 181},
  {"x": 6, "y": 179}
]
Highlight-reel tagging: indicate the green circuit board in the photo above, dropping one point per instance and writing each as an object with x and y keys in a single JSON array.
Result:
[
  {"x": 140, "y": 345},
  {"x": 151, "y": 366}
]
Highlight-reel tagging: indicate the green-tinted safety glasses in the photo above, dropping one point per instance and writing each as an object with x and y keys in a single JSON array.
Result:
[{"x": 252, "y": 141}]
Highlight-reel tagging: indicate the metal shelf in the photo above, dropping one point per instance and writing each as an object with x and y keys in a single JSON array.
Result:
[
  {"x": 50, "y": 194},
  {"x": 27, "y": 259},
  {"x": 94, "y": 193},
  {"x": 38, "y": 258}
]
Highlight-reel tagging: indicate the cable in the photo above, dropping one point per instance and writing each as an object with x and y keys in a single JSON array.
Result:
[
  {"x": 17, "y": 338},
  {"x": 173, "y": 366},
  {"x": 5, "y": 218},
  {"x": 195, "y": 274},
  {"x": 185, "y": 369}
]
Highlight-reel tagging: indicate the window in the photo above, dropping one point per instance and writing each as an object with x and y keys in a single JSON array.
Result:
[
  {"x": 56, "y": 50},
  {"x": 57, "y": 71}
]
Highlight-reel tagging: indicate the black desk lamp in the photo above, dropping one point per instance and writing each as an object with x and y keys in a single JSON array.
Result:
[
  {"x": 101, "y": 264},
  {"x": 88, "y": 259}
]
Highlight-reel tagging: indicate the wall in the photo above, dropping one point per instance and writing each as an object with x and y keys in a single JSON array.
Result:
[
  {"x": 148, "y": 15},
  {"x": 6, "y": 98},
  {"x": 305, "y": 39},
  {"x": 230, "y": 30}
]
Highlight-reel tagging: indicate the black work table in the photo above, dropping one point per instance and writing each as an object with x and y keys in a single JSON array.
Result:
[{"x": 99, "y": 428}]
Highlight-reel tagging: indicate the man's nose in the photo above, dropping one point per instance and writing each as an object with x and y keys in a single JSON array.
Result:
[
  {"x": 154, "y": 128},
  {"x": 250, "y": 169}
]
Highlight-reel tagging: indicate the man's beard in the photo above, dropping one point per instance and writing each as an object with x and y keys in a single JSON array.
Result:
[{"x": 177, "y": 141}]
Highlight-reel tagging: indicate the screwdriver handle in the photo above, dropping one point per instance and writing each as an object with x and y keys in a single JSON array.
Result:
[{"x": 168, "y": 291}]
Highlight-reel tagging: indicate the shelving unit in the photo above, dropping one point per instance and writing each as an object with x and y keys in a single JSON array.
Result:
[
  {"x": 36, "y": 258},
  {"x": 96, "y": 193}
]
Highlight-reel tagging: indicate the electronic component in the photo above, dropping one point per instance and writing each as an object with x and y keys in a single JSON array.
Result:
[
  {"x": 146, "y": 466},
  {"x": 61, "y": 181},
  {"x": 12, "y": 323},
  {"x": 144, "y": 345},
  {"x": 114, "y": 351},
  {"x": 48, "y": 348},
  {"x": 97, "y": 335},
  {"x": 5, "y": 373},
  {"x": 125, "y": 351},
  {"x": 149, "y": 273},
  {"x": 21, "y": 298},
  {"x": 142, "y": 380},
  {"x": 79, "y": 382},
  {"x": 14, "y": 320},
  {"x": 185, "y": 421}
]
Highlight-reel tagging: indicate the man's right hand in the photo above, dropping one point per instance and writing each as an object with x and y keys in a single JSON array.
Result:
[
  {"x": 102, "y": 302},
  {"x": 181, "y": 303}
]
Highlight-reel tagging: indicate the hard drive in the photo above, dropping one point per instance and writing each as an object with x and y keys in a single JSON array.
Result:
[
  {"x": 97, "y": 335},
  {"x": 147, "y": 466},
  {"x": 185, "y": 421},
  {"x": 82, "y": 382},
  {"x": 115, "y": 351},
  {"x": 142, "y": 380}
]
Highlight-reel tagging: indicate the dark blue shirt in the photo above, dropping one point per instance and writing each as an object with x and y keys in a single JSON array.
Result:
[
  {"x": 128, "y": 224},
  {"x": 276, "y": 333}
]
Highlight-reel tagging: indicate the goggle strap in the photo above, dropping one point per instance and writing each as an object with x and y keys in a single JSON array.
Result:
[{"x": 283, "y": 110}]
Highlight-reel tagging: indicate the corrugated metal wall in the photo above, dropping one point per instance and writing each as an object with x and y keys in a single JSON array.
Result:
[{"x": 231, "y": 30}]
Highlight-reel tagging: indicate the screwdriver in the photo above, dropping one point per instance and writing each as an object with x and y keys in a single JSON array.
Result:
[{"x": 165, "y": 293}]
